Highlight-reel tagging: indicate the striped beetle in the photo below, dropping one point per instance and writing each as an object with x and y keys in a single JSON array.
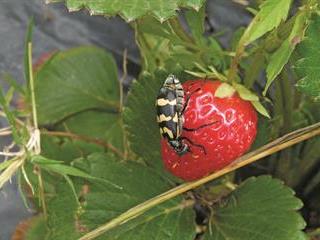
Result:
[{"x": 170, "y": 107}]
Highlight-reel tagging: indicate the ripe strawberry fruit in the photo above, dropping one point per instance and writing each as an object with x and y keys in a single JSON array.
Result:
[{"x": 232, "y": 129}]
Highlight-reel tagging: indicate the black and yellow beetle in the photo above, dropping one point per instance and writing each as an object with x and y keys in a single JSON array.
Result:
[{"x": 170, "y": 107}]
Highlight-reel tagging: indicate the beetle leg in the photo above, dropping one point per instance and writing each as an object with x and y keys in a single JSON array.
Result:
[
  {"x": 187, "y": 100},
  {"x": 194, "y": 144},
  {"x": 195, "y": 129}
]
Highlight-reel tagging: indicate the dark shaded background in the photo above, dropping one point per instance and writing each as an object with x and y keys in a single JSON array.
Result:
[{"x": 54, "y": 29}]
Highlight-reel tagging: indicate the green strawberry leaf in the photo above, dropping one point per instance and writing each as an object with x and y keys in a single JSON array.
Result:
[
  {"x": 170, "y": 46},
  {"x": 260, "y": 108},
  {"x": 248, "y": 95},
  {"x": 96, "y": 125},
  {"x": 76, "y": 80},
  {"x": 260, "y": 208},
  {"x": 64, "y": 149},
  {"x": 140, "y": 118},
  {"x": 171, "y": 220},
  {"x": 225, "y": 90},
  {"x": 96, "y": 131},
  {"x": 308, "y": 66},
  {"x": 37, "y": 229},
  {"x": 281, "y": 56},
  {"x": 245, "y": 93},
  {"x": 196, "y": 21},
  {"x": 163, "y": 45},
  {"x": 65, "y": 170},
  {"x": 62, "y": 215},
  {"x": 38, "y": 159},
  {"x": 100, "y": 203},
  {"x": 270, "y": 15},
  {"x": 133, "y": 9}
]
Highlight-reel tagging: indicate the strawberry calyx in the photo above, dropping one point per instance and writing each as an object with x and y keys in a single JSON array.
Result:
[{"x": 227, "y": 89}]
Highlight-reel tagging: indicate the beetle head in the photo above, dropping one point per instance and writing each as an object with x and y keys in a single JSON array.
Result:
[{"x": 179, "y": 147}]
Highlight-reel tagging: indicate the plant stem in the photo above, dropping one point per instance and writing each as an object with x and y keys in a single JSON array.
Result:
[
  {"x": 252, "y": 73},
  {"x": 275, "y": 146},
  {"x": 33, "y": 99},
  {"x": 11, "y": 170},
  {"x": 121, "y": 80},
  {"x": 26, "y": 178},
  {"x": 270, "y": 43},
  {"x": 235, "y": 62},
  {"x": 41, "y": 192},
  {"x": 285, "y": 162},
  {"x": 124, "y": 75},
  {"x": 184, "y": 37},
  {"x": 84, "y": 138},
  {"x": 178, "y": 30},
  {"x": 18, "y": 121},
  {"x": 287, "y": 100}
]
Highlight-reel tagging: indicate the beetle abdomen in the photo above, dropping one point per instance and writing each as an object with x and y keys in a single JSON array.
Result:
[
  {"x": 167, "y": 115},
  {"x": 169, "y": 106}
]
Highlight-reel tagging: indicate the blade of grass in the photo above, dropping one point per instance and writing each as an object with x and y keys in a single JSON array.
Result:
[
  {"x": 31, "y": 81},
  {"x": 11, "y": 170},
  {"x": 85, "y": 139},
  {"x": 42, "y": 197},
  {"x": 22, "y": 193},
  {"x": 268, "y": 149},
  {"x": 75, "y": 172},
  {"x": 28, "y": 39},
  {"x": 6, "y": 164},
  {"x": 26, "y": 178},
  {"x": 69, "y": 181}
]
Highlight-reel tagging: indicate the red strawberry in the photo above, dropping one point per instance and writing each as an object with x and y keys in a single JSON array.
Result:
[{"x": 232, "y": 127}]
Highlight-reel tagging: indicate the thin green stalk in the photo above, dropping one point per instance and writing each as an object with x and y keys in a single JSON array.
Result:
[
  {"x": 7, "y": 163},
  {"x": 33, "y": 99},
  {"x": 184, "y": 38},
  {"x": 252, "y": 72},
  {"x": 178, "y": 30},
  {"x": 234, "y": 67},
  {"x": 278, "y": 100},
  {"x": 41, "y": 192},
  {"x": 285, "y": 161},
  {"x": 286, "y": 90},
  {"x": 275, "y": 146},
  {"x": 22, "y": 194},
  {"x": 9, "y": 172},
  {"x": 143, "y": 45},
  {"x": 25, "y": 175},
  {"x": 124, "y": 75},
  {"x": 272, "y": 42}
]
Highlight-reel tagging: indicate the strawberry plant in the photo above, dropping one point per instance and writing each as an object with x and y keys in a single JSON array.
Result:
[{"x": 89, "y": 157}]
